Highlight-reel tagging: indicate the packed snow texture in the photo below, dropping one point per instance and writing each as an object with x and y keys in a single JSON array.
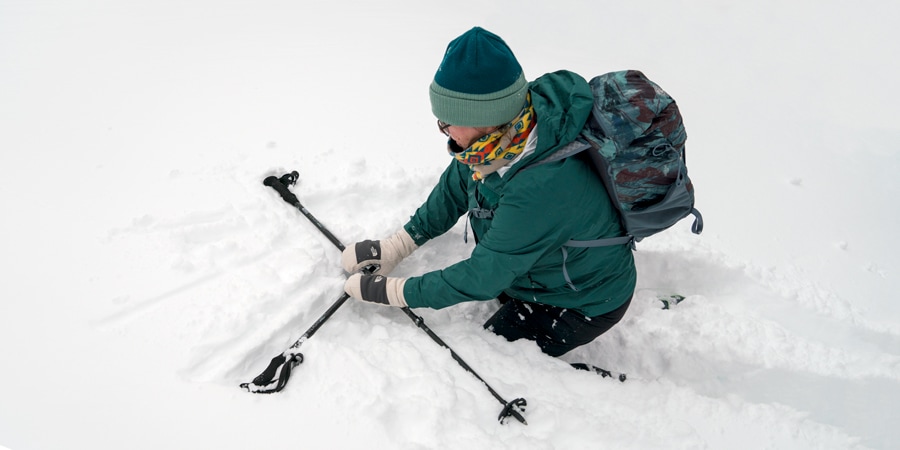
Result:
[{"x": 147, "y": 271}]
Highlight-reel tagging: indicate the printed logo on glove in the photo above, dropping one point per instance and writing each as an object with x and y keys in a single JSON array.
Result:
[{"x": 384, "y": 254}]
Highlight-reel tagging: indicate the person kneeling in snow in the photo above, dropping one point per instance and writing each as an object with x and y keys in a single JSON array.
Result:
[{"x": 499, "y": 125}]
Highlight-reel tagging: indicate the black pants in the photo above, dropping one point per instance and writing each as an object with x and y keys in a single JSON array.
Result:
[{"x": 556, "y": 330}]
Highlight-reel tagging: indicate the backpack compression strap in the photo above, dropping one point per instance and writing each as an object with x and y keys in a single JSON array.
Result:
[{"x": 620, "y": 240}]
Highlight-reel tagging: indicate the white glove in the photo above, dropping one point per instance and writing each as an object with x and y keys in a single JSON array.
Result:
[
  {"x": 376, "y": 289},
  {"x": 386, "y": 253}
]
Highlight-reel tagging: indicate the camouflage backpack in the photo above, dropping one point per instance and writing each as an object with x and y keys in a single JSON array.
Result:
[{"x": 635, "y": 138}]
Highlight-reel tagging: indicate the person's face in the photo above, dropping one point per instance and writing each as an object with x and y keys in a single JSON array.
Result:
[{"x": 464, "y": 136}]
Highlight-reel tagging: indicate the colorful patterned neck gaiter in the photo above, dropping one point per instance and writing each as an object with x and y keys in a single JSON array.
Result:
[{"x": 498, "y": 148}]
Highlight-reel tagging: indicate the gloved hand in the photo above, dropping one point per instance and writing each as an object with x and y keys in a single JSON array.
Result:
[
  {"x": 376, "y": 289},
  {"x": 387, "y": 253}
]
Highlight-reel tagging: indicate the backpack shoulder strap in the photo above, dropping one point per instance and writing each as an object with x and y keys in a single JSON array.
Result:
[{"x": 572, "y": 148}]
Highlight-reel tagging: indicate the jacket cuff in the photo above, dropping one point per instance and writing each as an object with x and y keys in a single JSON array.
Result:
[{"x": 417, "y": 236}]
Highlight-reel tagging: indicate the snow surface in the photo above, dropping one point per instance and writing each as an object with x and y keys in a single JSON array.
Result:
[{"x": 147, "y": 271}]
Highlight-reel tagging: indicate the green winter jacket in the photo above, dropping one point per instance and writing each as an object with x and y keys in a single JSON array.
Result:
[{"x": 520, "y": 250}]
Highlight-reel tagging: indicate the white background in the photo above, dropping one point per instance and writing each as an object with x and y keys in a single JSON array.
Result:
[{"x": 147, "y": 272}]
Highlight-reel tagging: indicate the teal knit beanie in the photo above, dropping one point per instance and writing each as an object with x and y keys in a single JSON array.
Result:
[{"x": 479, "y": 82}]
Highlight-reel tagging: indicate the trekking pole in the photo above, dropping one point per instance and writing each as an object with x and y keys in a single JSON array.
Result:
[
  {"x": 277, "y": 373},
  {"x": 281, "y": 365},
  {"x": 281, "y": 184}
]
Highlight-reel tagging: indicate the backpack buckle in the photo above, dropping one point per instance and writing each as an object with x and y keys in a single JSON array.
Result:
[{"x": 482, "y": 213}]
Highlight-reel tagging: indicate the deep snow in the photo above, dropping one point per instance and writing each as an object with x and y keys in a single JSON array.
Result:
[{"x": 147, "y": 272}]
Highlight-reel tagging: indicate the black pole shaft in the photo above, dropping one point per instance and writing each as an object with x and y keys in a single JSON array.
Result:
[
  {"x": 337, "y": 243},
  {"x": 421, "y": 324},
  {"x": 321, "y": 320}
]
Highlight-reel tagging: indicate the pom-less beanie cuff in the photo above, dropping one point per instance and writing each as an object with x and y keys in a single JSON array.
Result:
[{"x": 478, "y": 110}]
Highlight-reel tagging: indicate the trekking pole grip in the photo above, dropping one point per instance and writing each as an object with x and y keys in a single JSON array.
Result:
[{"x": 281, "y": 186}]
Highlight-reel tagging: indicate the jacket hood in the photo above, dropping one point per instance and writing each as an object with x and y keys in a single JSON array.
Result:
[{"x": 562, "y": 102}]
